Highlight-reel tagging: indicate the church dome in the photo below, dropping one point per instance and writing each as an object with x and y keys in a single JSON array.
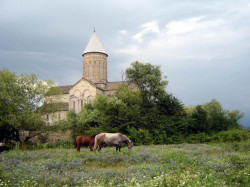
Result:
[{"x": 94, "y": 45}]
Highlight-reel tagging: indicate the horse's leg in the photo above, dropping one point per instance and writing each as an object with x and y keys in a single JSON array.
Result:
[
  {"x": 91, "y": 147},
  {"x": 100, "y": 146},
  {"x": 117, "y": 147},
  {"x": 78, "y": 146},
  {"x": 120, "y": 147}
]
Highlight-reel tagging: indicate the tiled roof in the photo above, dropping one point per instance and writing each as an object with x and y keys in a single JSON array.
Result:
[
  {"x": 65, "y": 89},
  {"x": 110, "y": 86},
  {"x": 115, "y": 85},
  {"x": 52, "y": 107}
]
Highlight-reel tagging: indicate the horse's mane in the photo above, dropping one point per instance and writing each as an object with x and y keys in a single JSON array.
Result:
[{"x": 93, "y": 136}]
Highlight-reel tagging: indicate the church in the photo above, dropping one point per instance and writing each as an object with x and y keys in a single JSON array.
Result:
[{"x": 93, "y": 82}]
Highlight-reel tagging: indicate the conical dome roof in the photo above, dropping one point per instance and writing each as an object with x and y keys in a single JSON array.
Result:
[{"x": 94, "y": 45}]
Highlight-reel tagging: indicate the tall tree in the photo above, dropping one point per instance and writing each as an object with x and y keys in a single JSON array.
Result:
[
  {"x": 104, "y": 114},
  {"x": 199, "y": 121},
  {"x": 148, "y": 79},
  {"x": 21, "y": 98},
  {"x": 220, "y": 119}
]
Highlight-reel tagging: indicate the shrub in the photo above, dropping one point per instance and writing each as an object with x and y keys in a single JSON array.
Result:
[
  {"x": 198, "y": 138},
  {"x": 140, "y": 137},
  {"x": 231, "y": 136}
]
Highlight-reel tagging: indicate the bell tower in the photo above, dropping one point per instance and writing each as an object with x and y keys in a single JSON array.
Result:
[{"x": 95, "y": 61}]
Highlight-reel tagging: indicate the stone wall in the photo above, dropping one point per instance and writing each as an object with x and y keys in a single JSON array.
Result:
[{"x": 95, "y": 67}]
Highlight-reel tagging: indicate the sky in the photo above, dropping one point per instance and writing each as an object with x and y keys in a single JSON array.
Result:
[{"x": 203, "y": 47}]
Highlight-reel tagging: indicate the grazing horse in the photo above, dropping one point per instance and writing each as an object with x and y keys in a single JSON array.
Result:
[
  {"x": 112, "y": 139},
  {"x": 87, "y": 141}
]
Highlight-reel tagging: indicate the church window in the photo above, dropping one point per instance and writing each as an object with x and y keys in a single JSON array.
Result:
[
  {"x": 81, "y": 103},
  {"x": 74, "y": 105},
  {"x": 99, "y": 70},
  {"x": 59, "y": 116},
  {"x": 89, "y": 71},
  {"x": 47, "y": 117},
  {"x": 103, "y": 71},
  {"x": 94, "y": 70}
]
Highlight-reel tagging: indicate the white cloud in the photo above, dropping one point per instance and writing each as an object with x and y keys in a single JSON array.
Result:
[
  {"x": 193, "y": 38},
  {"x": 147, "y": 28},
  {"x": 183, "y": 26},
  {"x": 122, "y": 31}
]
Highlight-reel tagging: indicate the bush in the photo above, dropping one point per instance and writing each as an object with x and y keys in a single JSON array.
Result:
[
  {"x": 231, "y": 136},
  {"x": 140, "y": 137},
  {"x": 198, "y": 138}
]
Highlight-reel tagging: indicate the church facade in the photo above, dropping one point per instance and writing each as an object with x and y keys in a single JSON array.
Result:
[{"x": 93, "y": 82}]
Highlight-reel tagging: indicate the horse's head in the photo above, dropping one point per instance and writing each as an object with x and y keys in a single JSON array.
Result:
[{"x": 130, "y": 145}]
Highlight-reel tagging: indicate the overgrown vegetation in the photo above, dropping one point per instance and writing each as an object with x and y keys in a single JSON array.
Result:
[
  {"x": 162, "y": 165},
  {"x": 147, "y": 114},
  {"x": 23, "y": 104},
  {"x": 150, "y": 115}
]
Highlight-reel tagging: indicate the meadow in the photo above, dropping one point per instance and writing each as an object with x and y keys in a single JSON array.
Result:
[{"x": 157, "y": 165}]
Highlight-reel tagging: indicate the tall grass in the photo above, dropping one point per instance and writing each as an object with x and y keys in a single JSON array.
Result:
[{"x": 165, "y": 165}]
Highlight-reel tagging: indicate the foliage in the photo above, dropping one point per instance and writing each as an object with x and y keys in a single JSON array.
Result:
[
  {"x": 165, "y": 165},
  {"x": 105, "y": 113},
  {"x": 140, "y": 137},
  {"x": 150, "y": 115},
  {"x": 21, "y": 98},
  {"x": 148, "y": 78},
  {"x": 211, "y": 117},
  {"x": 231, "y": 136},
  {"x": 199, "y": 121}
]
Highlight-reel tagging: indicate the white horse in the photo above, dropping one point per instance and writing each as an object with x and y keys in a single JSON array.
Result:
[{"x": 112, "y": 139}]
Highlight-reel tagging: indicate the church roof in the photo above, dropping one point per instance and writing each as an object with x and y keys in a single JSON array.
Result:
[
  {"x": 65, "y": 89},
  {"x": 94, "y": 45},
  {"x": 115, "y": 85}
]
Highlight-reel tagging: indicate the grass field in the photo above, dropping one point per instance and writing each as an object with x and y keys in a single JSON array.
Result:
[{"x": 158, "y": 165}]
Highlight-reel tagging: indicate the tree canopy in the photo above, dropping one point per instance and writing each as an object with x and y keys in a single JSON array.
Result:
[
  {"x": 148, "y": 78},
  {"x": 149, "y": 114},
  {"x": 21, "y": 98}
]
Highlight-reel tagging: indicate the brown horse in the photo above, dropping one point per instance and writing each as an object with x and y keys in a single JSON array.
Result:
[
  {"x": 112, "y": 139},
  {"x": 87, "y": 141}
]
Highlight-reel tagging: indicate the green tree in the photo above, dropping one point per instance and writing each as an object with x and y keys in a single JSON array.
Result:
[
  {"x": 160, "y": 111},
  {"x": 105, "y": 113},
  {"x": 21, "y": 98},
  {"x": 235, "y": 116},
  {"x": 133, "y": 100},
  {"x": 199, "y": 121},
  {"x": 169, "y": 105},
  {"x": 148, "y": 79},
  {"x": 220, "y": 119}
]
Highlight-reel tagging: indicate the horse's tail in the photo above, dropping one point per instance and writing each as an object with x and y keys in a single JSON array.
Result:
[{"x": 96, "y": 143}]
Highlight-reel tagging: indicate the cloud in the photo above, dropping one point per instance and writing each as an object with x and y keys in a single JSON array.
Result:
[
  {"x": 122, "y": 31},
  {"x": 147, "y": 28},
  {"x": 193, "y": 38},
  {"x": 204, "y": 57},
  {"x": 203, "y": 47},
  {"x": 183, "y": 26}
]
